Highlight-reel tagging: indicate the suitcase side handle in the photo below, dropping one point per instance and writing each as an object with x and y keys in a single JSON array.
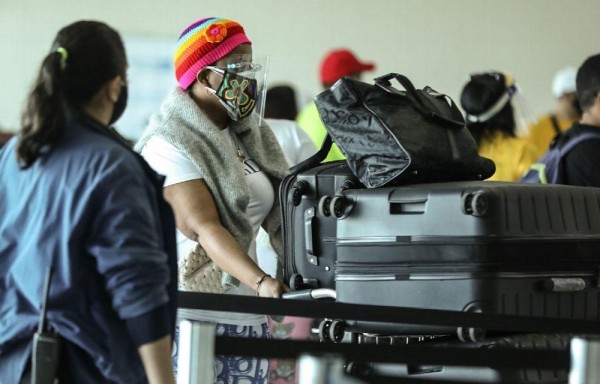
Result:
[
  {"x": 416, "y": 206},
  {"x": 407, "y": 202},
  {"x": 563, "y": 284},
  {"x": 309, "y": 218}
]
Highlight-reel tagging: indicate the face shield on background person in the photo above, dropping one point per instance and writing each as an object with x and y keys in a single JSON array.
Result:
[
  {"x": 243, "y": 87},
  {"x": 521, "y": 112},
  {"x": 522, "y": 117}
]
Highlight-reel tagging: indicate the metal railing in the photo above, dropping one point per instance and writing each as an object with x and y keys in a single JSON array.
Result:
[{"x": 323, "y": 363}]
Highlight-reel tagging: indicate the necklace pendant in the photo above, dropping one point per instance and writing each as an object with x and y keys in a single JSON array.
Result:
[{"x": 240, "y": 155}]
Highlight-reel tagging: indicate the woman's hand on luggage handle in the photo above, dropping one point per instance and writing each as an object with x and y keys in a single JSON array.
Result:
[{"x": 271, "y": 287}]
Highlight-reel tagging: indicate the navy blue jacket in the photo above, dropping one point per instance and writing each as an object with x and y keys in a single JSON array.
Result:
[{"x": 93, "y": 210}]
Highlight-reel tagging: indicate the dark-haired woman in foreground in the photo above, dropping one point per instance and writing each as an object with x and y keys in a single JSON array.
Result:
[{"x": 77, "y": 200}]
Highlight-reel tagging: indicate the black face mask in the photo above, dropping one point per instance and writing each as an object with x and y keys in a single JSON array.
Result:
[
  {"x": 119, "y": 106},
  {"x": 237, "y": 94}
]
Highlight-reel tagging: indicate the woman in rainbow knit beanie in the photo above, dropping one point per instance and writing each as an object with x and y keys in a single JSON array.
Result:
[{"x": 222, "y": 166}]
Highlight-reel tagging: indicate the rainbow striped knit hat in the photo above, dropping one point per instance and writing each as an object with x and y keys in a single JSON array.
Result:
[{"x": 204, "y": 42}]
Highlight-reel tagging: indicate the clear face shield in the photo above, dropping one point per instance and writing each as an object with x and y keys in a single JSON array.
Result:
[
  {"x": 521, "y": 112},
  {"x": 243, "y": 89}
]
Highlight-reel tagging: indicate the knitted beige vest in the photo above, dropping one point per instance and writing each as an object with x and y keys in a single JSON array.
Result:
[{"x": 183, "y": 124}]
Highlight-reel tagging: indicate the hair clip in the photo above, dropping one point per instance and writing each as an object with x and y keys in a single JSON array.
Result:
[{"x": 64, "y": 55}]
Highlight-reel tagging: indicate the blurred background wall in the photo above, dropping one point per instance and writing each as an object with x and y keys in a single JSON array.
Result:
[{"x": 434, "y": 42}]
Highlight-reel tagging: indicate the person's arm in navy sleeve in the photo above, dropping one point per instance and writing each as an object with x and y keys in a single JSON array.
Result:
[{"x": 127, "y": 244}]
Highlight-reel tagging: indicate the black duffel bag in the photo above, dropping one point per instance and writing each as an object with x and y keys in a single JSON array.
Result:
[{"x": 392, "y": 136}]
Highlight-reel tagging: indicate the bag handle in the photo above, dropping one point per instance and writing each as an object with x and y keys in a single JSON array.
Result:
[
  {"x": 384, "y": 82},
  {"x": 315, "y": 159},
  {"x": 425, "y": 108}
]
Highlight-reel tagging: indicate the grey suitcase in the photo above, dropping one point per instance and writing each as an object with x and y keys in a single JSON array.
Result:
[
  {"x": 308, "y": 233},
  {"x": 508, "y": 248}
]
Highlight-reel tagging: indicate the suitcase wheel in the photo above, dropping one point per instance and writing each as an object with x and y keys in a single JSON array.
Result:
[
  {"x": 471, "y": 335},
  {"x": 324, "y": 326},
  {"x": 332, "y": 330},
  {"x": 336, "y": 331},
  {"x": 354, "y": 368},
  {"x": 337, "y": 207},
  {"x": 348, "y": 184},
  {"x": 298, "y": 190},
  {"x": 475, "y": 204},
  {"x": 324, "y": 206},
  {"x": 296, "y": 282}
]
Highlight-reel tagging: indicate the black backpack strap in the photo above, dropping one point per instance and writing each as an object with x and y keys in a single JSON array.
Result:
[{"x": 555, "y": 124}]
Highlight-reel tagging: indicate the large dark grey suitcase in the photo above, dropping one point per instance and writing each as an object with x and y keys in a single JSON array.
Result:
[
  {"x": 508, "y": 248},
  {"x": 307, "y": 199}
]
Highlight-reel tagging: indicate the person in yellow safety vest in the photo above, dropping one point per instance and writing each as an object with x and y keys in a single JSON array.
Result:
[
  {"x": 337, "y": 63},
  {"x": 567, "y": 111}
]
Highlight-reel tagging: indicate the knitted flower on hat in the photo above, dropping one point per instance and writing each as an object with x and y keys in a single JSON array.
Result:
[{"x": 215, "y": 33}]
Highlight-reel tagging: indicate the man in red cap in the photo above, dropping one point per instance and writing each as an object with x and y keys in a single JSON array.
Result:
[{"x": 336, "y": 64}]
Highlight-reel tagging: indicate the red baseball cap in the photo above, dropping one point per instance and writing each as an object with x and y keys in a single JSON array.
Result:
[{"x": 339, "y": 63}]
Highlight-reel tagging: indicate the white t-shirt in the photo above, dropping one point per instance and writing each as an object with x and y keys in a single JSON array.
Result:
[
  {"x": 296, "y": 147},
  {"x": 169, "y": 161}
]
